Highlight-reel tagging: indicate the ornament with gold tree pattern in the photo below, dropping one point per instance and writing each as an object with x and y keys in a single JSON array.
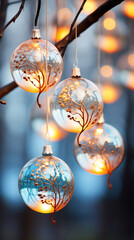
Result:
[
  {"x": 28, "y": 65},
  {"x": 46, "y": 183},
  {"x": 101, "y": 151},
  {"x": 76, "y": 104}
]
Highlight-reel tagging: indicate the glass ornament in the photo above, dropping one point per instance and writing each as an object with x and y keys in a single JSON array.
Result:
[
  {"x": 101, "y": 151},
  {"x": 126, "y": 67},
  {"x": 110, "y": 82},
  {"x": 28, "y": 65},
  {"x": 113, "y": 34},
  {"x": 46, "y": 183},
  {"x": 76, "y": 104},
  {"x": 38, "y": 122}
]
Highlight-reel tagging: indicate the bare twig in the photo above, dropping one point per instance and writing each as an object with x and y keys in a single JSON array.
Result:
[
  {"x": 37, "y": 13},
  {"x": 71, "y": 28},
  {"x": 2, "y": 102},
  {"x": 85, "y": 24},
  {"x": 14, "y": 18},
  {"x": 88, "y": 21},
  {"x": 8, "y": 88}
]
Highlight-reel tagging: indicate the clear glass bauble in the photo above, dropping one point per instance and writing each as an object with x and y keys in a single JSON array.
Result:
[
  {"x": 28, "y": 65},
  {"x": 76, "y": 104},
  {"x": 46, "y": 184},
  {"x": 101, "y": 151}
]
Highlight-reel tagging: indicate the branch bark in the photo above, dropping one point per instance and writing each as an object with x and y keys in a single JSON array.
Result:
[
  {"x": 14, "y": 18},
  {"x": 84, "y": 25}
]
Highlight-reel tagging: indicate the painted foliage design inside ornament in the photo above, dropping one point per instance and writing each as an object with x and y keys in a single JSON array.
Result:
[
  {"x": 28, "y": 64},
  {"x": 101, "y": 151},
  {"x": 46, "y": 183},
  {"x": 76, "y": 104}
]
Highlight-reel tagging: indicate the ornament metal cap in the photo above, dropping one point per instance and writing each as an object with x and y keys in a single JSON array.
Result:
[
  {"x": 101, "y": 120},
  {"x": 47, "y": 150},
  {"x": 36, "y": 33},
  {"x": 76, "y": 72}
]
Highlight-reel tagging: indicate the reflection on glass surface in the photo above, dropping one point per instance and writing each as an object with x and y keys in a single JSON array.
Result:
[
  {"x": 76, "y": 104},
  {"x": 46, "y": 184},
  {"x": 101, "y": 151},
  {"x": 28, "y": 65}
]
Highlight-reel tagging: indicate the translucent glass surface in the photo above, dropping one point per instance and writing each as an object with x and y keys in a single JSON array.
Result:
[
  {"x": 76, "y": 104},
  {"x": 28, "y": 65},
  {"x": 101, "y": 151},
  {"x": 46, "y": 184}
]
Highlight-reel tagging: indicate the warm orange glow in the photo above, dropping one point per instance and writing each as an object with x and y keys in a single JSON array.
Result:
[
  {"x": 98, "y": 131},
  {"x": 90, "y": 6},
  {"x": 110, "y": 93},
  {"x": 30, "y": 85},
  {"x": 99, "y": 166},
  {"x": 62, "y": 32},
  {"x": 55, "y": 132},
  {"x": 42, "y": 207},
  {"x": 109, "y": 23},
  {"x": 110, "y": 44},
  {"x": 64, "y": 14},
  {"x": 128, "y": 9},
  {"x": 131, "y": 59},
  {"x": 106, "y": 71},
  {"x": 130, "y": 80}
]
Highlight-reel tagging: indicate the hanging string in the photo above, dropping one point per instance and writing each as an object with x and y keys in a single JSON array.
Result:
[
  {"x": 76, "y": 57},
  {"x": 36, "y": 5},
  {"x": 99, "y": 53},
  {"x": 37, "y": 12},
  {"x": 47, "y": 98}
]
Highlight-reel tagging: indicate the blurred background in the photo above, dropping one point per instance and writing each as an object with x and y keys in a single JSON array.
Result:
[{"x": 94, "y": 212}]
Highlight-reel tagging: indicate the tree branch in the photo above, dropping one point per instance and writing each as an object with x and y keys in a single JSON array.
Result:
[
  {"x": 14, "y": 18},
  {"x": 89, "y": 21},
  {"x": 71, "y": 28},
  {"x": 81, "y": 27}
]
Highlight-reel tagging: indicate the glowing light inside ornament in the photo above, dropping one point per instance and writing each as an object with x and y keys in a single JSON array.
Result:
[
  {"x": 109, "y": 23},
  {"x": 28, "y": 65},
  {"x": 128, "y": 9},
  {"x": 76, "y": 104},
  {"x": 99, "y": 166},
  {"x": 101, "y": 150},
  {"x": 98, "y": 131},
  {"x": 46, "y": 184}
]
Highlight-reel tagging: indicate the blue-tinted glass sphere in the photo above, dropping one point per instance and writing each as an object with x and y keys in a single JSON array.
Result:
[{"x": 46, "y": 184}]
